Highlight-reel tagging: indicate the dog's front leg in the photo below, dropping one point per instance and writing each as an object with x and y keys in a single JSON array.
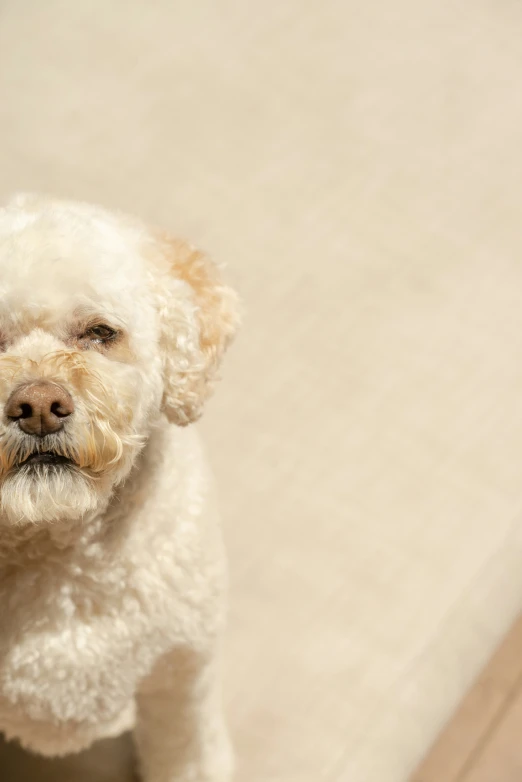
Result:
[{"x": 180, "y": 732}]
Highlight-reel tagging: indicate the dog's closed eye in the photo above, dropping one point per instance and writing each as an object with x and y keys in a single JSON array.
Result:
[{"x": 98, "y": 334}]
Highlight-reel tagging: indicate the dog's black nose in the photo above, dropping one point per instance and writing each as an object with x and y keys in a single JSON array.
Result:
[{"x": 39, "y": 408}]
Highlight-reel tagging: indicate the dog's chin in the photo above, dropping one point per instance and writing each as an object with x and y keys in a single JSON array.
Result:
[{"x": 48, "y": 488}]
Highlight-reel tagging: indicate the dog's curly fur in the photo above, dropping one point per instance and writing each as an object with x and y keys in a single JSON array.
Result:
[{"x": 112, "y": 571}]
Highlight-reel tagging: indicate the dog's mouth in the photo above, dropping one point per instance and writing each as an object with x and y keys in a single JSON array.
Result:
[{"x": 50, "y": 458}]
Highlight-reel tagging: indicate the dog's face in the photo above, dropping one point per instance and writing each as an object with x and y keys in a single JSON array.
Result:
[{"x": 104, "y": 325}]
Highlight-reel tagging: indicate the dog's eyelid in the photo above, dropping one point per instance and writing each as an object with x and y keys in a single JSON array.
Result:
[
  {"x": 97, "y": 333},
  {"x": 102, "y": 330}
]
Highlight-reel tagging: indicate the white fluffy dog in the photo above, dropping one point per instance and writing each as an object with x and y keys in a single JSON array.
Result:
[{"x": 111, "y": 564}]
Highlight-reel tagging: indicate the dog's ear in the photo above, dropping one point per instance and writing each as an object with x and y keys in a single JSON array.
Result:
[{"x": 198, "y": 316}]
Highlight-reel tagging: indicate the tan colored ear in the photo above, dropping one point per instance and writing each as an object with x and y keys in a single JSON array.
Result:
[{"x": 198, "y": 318}]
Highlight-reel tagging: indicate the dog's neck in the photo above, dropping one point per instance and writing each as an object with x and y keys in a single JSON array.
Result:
[{"x": 24, "y": 543}]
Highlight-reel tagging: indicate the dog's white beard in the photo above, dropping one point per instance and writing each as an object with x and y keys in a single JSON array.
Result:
[{"x": 47, "y": 493}]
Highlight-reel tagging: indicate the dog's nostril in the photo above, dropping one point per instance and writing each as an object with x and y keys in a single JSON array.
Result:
[
  {"x": 26, "y": 411},
  {"x": 58, "y": 409}
]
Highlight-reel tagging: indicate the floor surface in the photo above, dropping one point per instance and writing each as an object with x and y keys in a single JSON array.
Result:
[{"x": 482, "y": 741}]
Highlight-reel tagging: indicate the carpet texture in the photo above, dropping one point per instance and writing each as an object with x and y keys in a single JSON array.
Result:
[{"x": 358, "y": 166}]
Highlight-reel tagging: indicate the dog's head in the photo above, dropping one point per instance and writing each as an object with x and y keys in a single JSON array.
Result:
[{"x": 104, "y": 325}]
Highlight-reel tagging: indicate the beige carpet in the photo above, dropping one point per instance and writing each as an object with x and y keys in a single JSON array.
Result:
[{"x": 359, "y": 167}]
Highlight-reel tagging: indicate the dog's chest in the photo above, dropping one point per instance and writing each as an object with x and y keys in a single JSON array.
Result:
[
  {"x": 74, "y": 639},
  {"x": 85, "y": 616},
  {"x": 63, "y": 664}
]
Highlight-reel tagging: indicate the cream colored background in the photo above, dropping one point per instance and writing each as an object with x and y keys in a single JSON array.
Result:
[{"x": 358, "y": 166}]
